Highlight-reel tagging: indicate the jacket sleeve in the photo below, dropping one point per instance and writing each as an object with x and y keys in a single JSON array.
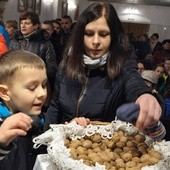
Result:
[
  {"x": 135, "y": 85},
  {"x": 4, "y": 150}
]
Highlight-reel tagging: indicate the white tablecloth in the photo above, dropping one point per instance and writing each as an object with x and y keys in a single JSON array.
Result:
[{"x": 44, "y": 163}]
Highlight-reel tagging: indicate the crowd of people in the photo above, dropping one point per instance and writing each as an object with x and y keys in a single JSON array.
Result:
[
  {"x": 58, "y": 71},
  {"x": 154, "y": 67}
]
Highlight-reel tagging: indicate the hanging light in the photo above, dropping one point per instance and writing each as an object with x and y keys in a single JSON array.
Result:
[
  {"x": 71, "y": 5},
  {"x": 132, "y": 11}
]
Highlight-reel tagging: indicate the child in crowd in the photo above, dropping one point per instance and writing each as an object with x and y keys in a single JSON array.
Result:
[
  {"x": 159, "y": 71},
  {"x": 23, "y": 81},
  {"x": 150, "y": 78}
]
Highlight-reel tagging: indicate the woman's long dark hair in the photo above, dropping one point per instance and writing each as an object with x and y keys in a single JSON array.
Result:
[{"x": 72, "y": 62}]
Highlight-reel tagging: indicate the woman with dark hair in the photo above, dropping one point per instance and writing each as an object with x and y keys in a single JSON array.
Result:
[{"x": 98, "y": 74}]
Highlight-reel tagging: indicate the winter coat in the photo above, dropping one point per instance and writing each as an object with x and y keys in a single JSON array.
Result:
[
  {"x": 3, "y": 46},
  {"x": 5, "y": 34},
  {"x": 99, "y": 98},
  {"x": 55, "y": 40},
  {"x": 38, "y": 43},
  {"x": 20, "y": 154}
]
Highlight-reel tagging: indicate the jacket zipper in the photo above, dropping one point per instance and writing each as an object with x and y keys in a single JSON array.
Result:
[
  {"x": 82, "y": 94},
  {"x": 24, "y": 45}
]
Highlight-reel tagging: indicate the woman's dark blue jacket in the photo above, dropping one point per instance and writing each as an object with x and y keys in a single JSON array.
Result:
[{"x": 99, "y": 99}]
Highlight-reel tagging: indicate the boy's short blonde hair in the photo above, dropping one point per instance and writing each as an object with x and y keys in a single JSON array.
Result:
[{"x": 14, "y": 60}]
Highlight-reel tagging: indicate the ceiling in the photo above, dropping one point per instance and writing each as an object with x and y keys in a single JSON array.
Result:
[{"x": 140, "y": 2}]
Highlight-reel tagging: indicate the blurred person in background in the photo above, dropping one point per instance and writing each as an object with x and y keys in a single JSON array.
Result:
[
  {"x": 154, "y": 43},
  {"x": 4, "y": 38},
  {"x": 150, "y": 79},
  {"x": 11, "y": 26},
  {"x": 53, "y": 37},
  {"x": 163, "y": 52},
  {"x": 140, "y": 66},
  {"x": 159, "y": 71},
  {"x": 65, "y": 31},
  {"x": 57, "y": 25},
  {"x": 142, "y": 47}
]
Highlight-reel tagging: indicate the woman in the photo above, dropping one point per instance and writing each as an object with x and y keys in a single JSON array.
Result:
[
  {"x": 33, "y": 39},
  {"x": 98, "y": 74}
]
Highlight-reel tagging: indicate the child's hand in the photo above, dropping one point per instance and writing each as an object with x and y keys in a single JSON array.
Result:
[
  {"x": 81, "y": 121},
  {"x": 15, "y": 125}
]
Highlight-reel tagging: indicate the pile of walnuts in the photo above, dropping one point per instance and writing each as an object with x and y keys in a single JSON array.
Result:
[{"x": 121, "y": 152}]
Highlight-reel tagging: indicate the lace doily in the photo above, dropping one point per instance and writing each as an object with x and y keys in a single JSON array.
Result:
[{"x": 60, "y": 155}]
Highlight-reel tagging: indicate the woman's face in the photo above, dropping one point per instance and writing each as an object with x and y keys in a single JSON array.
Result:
[
  {"x": 27, "y": 27},
  {"x": 97, "y": 38}
]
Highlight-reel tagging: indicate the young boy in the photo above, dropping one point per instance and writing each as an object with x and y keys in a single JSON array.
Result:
[{"x": 23, "y": 88}]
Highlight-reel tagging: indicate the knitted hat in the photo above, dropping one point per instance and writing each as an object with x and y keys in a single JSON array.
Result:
[{"x": 150, "y": 76}]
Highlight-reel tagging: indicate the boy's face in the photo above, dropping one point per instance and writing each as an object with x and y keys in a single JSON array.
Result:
[{"x": 28, "y": 90}]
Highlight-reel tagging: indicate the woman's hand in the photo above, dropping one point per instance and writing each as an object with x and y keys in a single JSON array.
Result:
[
  {"x": 150, "y": 111},
  {"x": 81, "y": 121}
]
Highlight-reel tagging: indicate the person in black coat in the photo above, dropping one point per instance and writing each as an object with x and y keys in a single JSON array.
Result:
[
  {"x": 31, "y": 38},
  {"x": 97, "y": 74},
  {"x": 54, "y": 38}
]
